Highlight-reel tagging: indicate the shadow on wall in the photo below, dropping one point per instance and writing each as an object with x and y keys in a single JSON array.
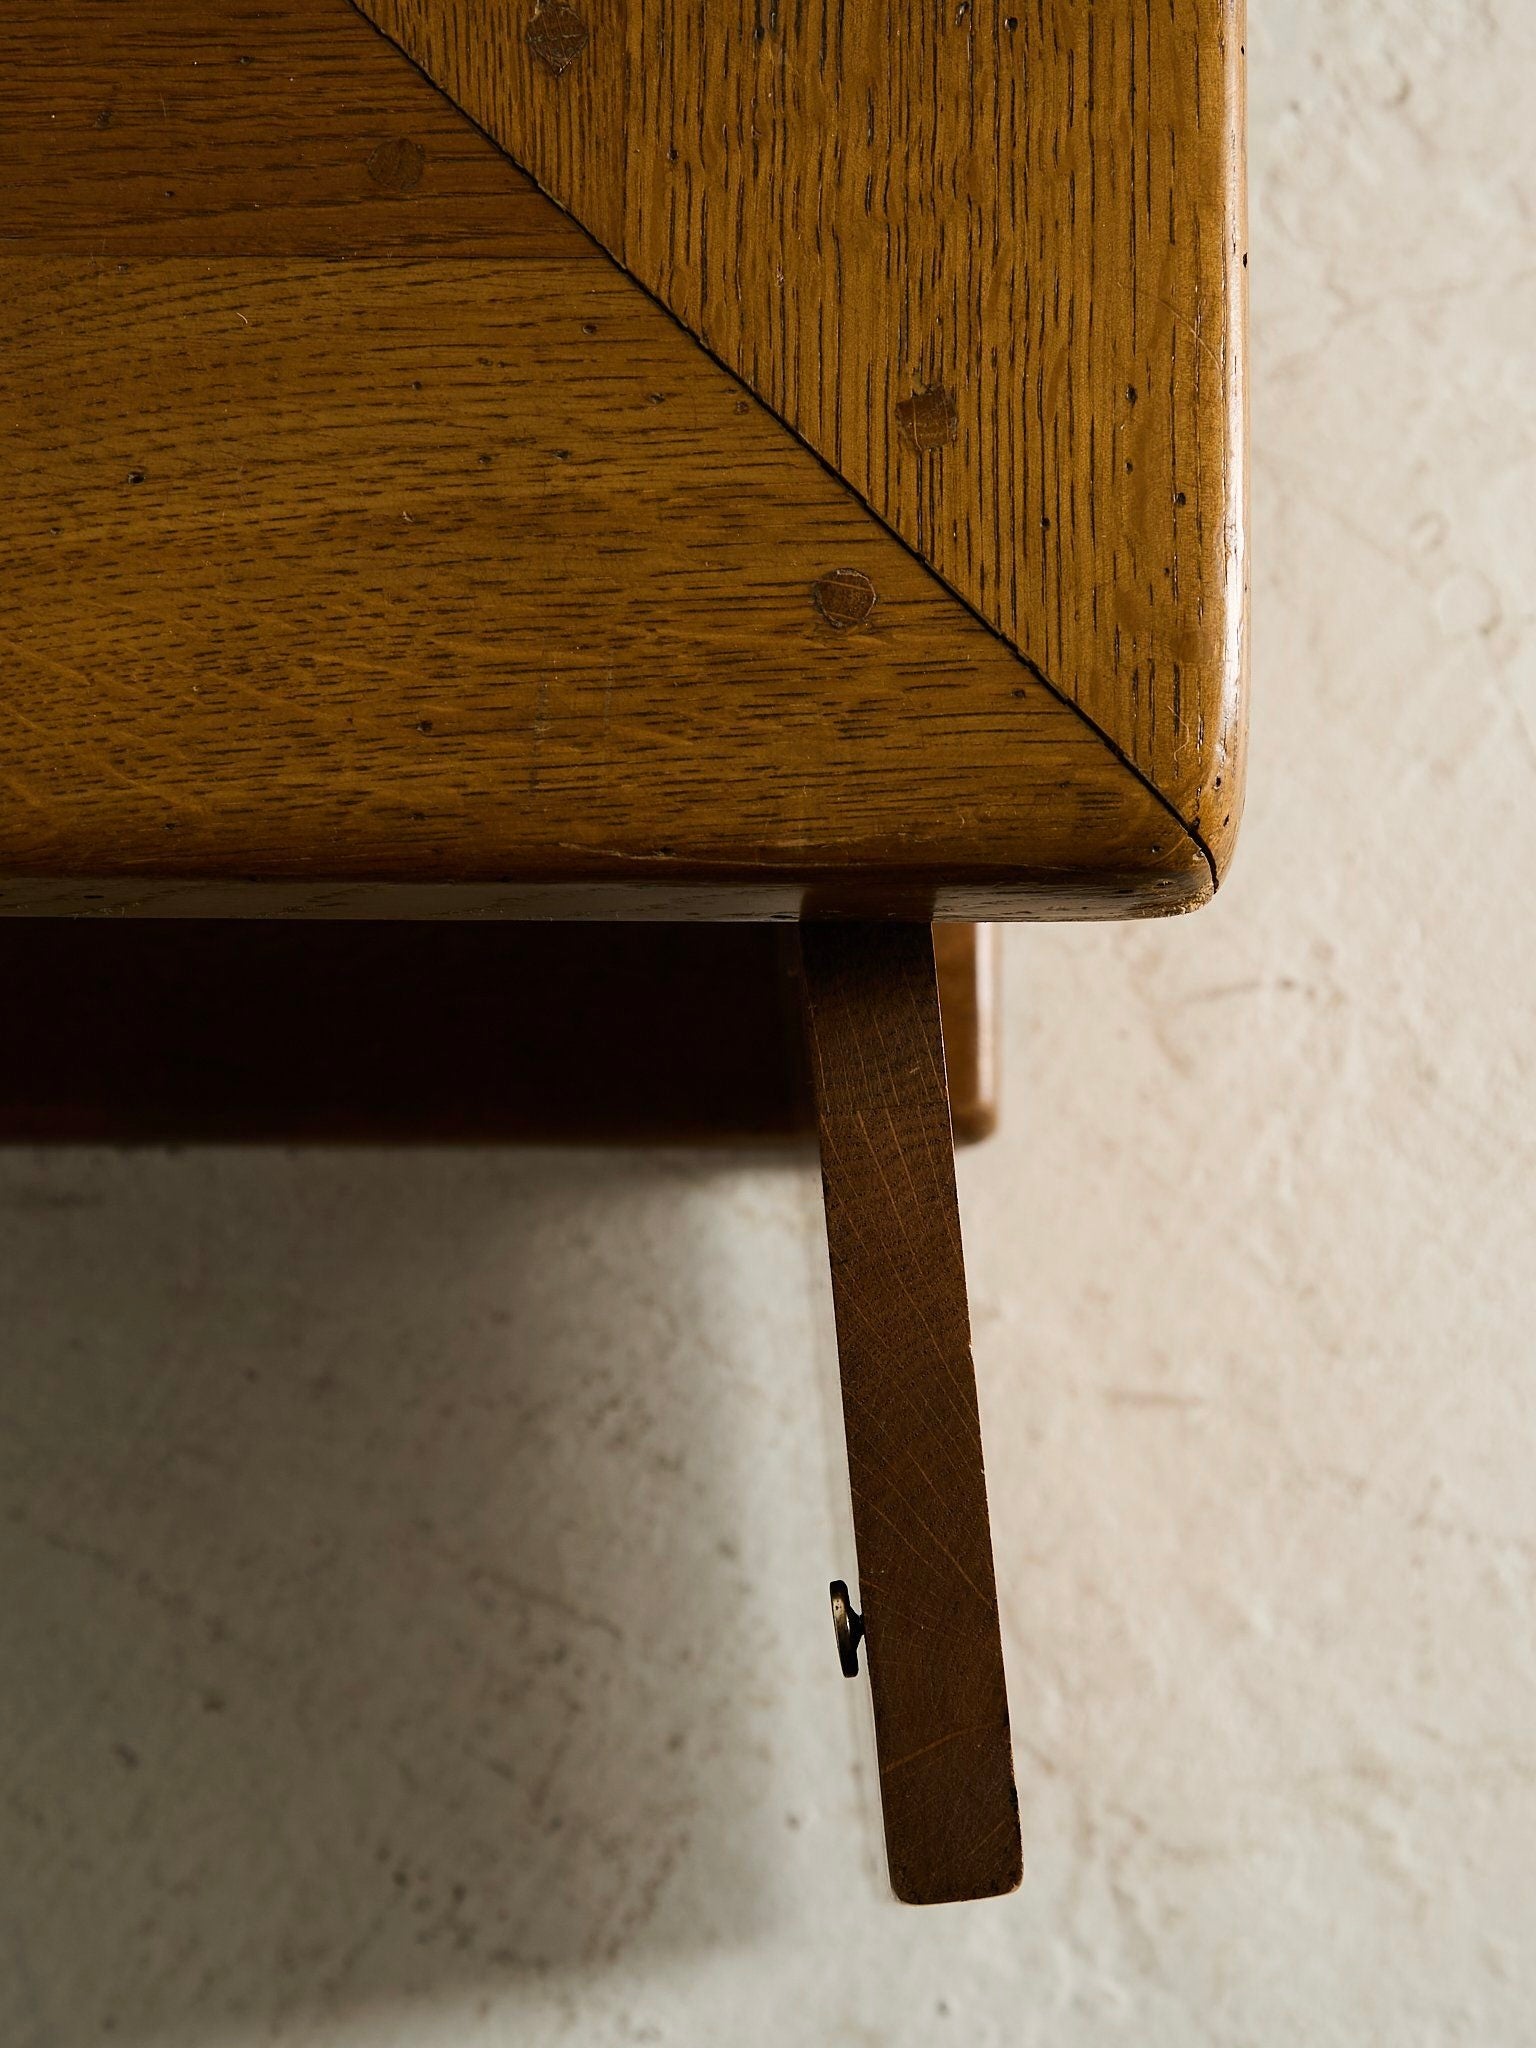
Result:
[{"x": 365, "y": 1528}]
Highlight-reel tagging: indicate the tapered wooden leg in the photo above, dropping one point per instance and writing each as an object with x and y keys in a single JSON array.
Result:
[{"x": 934, "y": 1648}]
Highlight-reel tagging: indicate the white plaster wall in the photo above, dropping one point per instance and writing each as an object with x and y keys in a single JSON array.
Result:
[{"x": 413, "y": 1623}]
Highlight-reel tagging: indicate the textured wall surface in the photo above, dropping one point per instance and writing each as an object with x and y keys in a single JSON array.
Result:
[{"x": 413, "y": 1623}]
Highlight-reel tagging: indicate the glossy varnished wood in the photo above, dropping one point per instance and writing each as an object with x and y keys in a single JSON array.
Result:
[
  {"x": 910, "y": 1412},
  {"x": 379, "y": 570},
  {"x": 243, "y": 127},
  {"x": 452, "y": 576},
  {"x": 987, "y": 259}
]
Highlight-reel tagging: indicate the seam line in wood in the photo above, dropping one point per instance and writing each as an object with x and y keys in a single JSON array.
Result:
[{"x": 1111, "y": 746}]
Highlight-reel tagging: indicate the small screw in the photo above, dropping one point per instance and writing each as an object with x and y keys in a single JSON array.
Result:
[{"x": 849, "y": 1628}]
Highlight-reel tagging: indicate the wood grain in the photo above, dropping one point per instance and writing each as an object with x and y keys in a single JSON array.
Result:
[
  {"x": 445, "y": 573},
  {"x": 910, "y": 1412},
  {"x": 987, "y": 259},
  {"x": 376, "y": 547},
  {"x": 243, "y": 128}
]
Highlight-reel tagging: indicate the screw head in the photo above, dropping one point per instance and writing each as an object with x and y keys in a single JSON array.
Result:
[{"x": 848, "y": 1628}]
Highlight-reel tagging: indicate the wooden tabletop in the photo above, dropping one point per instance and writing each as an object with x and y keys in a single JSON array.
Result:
[{"x": 840, "y": 508}]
